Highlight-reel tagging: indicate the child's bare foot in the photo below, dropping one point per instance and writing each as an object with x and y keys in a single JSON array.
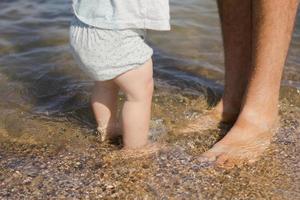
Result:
[
  {"x": 140, "y": 153},
  {"x": 147, "y": 150},
  {"x": 245, "y": 142},
  {"x": 106, "y": 133}
]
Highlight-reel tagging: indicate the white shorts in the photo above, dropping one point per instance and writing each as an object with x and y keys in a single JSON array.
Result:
[{"x": 105, "y": 54}]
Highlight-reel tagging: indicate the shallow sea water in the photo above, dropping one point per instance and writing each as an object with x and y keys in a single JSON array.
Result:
[{"x": 48, "y": 148}]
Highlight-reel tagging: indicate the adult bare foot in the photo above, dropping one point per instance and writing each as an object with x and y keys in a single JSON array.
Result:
[
  {"x": 203, "y": 122},
  {"x": 212, "y": 119},
  {"x": 245, "y": 142},
  {"x": 227, "y": 113},
  {"x": 252, "y": 132}
]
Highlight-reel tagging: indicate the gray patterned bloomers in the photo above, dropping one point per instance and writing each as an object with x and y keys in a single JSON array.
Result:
[{"x": 105, "y": 54}]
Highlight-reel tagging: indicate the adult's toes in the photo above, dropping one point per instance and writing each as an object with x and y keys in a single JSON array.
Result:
[
  {"x": 205, "y": 159},
  {"x": 233, "y": 160},
  {"x": 222, "y": 160},
  {"x": 209, "y": 156}
]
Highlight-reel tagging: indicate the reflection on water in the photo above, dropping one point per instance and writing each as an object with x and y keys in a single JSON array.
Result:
[{"x": 43, "y": 93}]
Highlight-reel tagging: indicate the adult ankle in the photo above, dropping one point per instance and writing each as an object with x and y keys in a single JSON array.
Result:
[
  {"x": 262, "y": 118},
  {"x": 227, "y": 113}
]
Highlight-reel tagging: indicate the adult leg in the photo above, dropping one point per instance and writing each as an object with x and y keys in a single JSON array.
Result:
[
  {"x": 236, "y": 28},
  {"x": 104, "y": 103},
  {"x": 272, "y": 29},
  {"x": 138, "y": 87},
  {"x": 237, "y": 38}
]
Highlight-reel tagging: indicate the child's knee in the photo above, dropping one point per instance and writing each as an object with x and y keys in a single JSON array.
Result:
[
  {"x": 147, "y": 90},
  {"x": 144, "y": 93}
]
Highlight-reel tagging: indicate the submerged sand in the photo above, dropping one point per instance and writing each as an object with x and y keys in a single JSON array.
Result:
[{"x": 60, "y": 157}]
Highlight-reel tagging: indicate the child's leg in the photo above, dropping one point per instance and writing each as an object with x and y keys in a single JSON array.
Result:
[
  {"x": 104, "y": 103},
  {"x": 138, "y": 87}
]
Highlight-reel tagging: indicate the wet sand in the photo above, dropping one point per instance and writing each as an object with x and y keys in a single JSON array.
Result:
[{"x": 42, "y": 158}]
